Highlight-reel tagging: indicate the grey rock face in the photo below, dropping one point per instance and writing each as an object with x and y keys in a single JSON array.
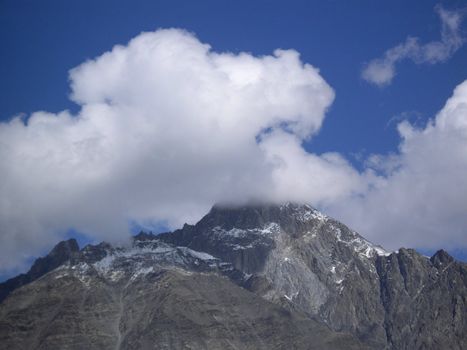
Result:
[
  {"x": 304, "y": 260},
  {"x": 424, "y": 300}
]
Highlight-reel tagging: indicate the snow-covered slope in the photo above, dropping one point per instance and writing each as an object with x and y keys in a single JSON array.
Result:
[{"x": 124, "y": 264}]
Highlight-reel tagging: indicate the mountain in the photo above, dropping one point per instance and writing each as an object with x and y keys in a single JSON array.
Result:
[
  {"x": 251, "y": 277},
  {"x": 306, "y": 261}
]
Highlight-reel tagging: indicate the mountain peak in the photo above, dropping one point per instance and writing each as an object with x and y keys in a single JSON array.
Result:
[
  {"x": 64, "y": 248},
  {"x": 59, "y": 254},
  {"x": 255, "y": 214},
  {"x": 441, "y": 257}
]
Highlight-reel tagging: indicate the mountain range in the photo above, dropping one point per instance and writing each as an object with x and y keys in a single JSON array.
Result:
[{"x": 258, "y": 276}]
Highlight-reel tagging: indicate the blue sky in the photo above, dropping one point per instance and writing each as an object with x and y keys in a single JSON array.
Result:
[{"x": 42, "y": 41}]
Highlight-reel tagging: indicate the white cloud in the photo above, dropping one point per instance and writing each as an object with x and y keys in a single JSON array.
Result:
[
  {"x": 381, "y": 71},
  {"x": 416, "y": 197},
  {"x": 305, "y": 177},
  {"x": 167, "y": 127},
  {"x": 421, "y": 200}
]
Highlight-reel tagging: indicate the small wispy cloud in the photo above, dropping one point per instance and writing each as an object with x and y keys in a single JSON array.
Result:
[
  {"x": 381, "y": 71},
  {"x": 415, "y": 118}
]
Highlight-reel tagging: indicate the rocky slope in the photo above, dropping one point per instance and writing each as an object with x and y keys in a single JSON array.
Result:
[
  {"x": 153, "y": 295},
  {"x": 252, "y": 277}
]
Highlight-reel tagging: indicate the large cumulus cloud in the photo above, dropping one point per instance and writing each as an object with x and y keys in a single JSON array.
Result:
[{"x": 167, "y": 127}]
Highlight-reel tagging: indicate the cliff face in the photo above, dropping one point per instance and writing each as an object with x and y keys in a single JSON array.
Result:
[
  {"x": 424, "y": 300},
  {"x": 258, "y": 277}
]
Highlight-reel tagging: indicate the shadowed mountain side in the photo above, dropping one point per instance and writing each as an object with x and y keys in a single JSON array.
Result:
[{"x": 164, "y": 309}]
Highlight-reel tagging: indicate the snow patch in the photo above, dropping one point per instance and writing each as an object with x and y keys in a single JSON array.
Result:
[
  {"x": 196, "y": 254},
  {"x": 360, "y": 245},
  {"x": 142, "y": 271},
  {"x": 291, "y": 297},
  {"x": 305, "y": 213},
  {"x": 268, "y": 229},
  {"x": 142, "y": 258}
]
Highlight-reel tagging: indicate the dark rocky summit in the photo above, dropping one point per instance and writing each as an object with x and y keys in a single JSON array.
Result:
[
  {"x": 60, "y": 254},
  {"x": 252, "y": 277}
]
